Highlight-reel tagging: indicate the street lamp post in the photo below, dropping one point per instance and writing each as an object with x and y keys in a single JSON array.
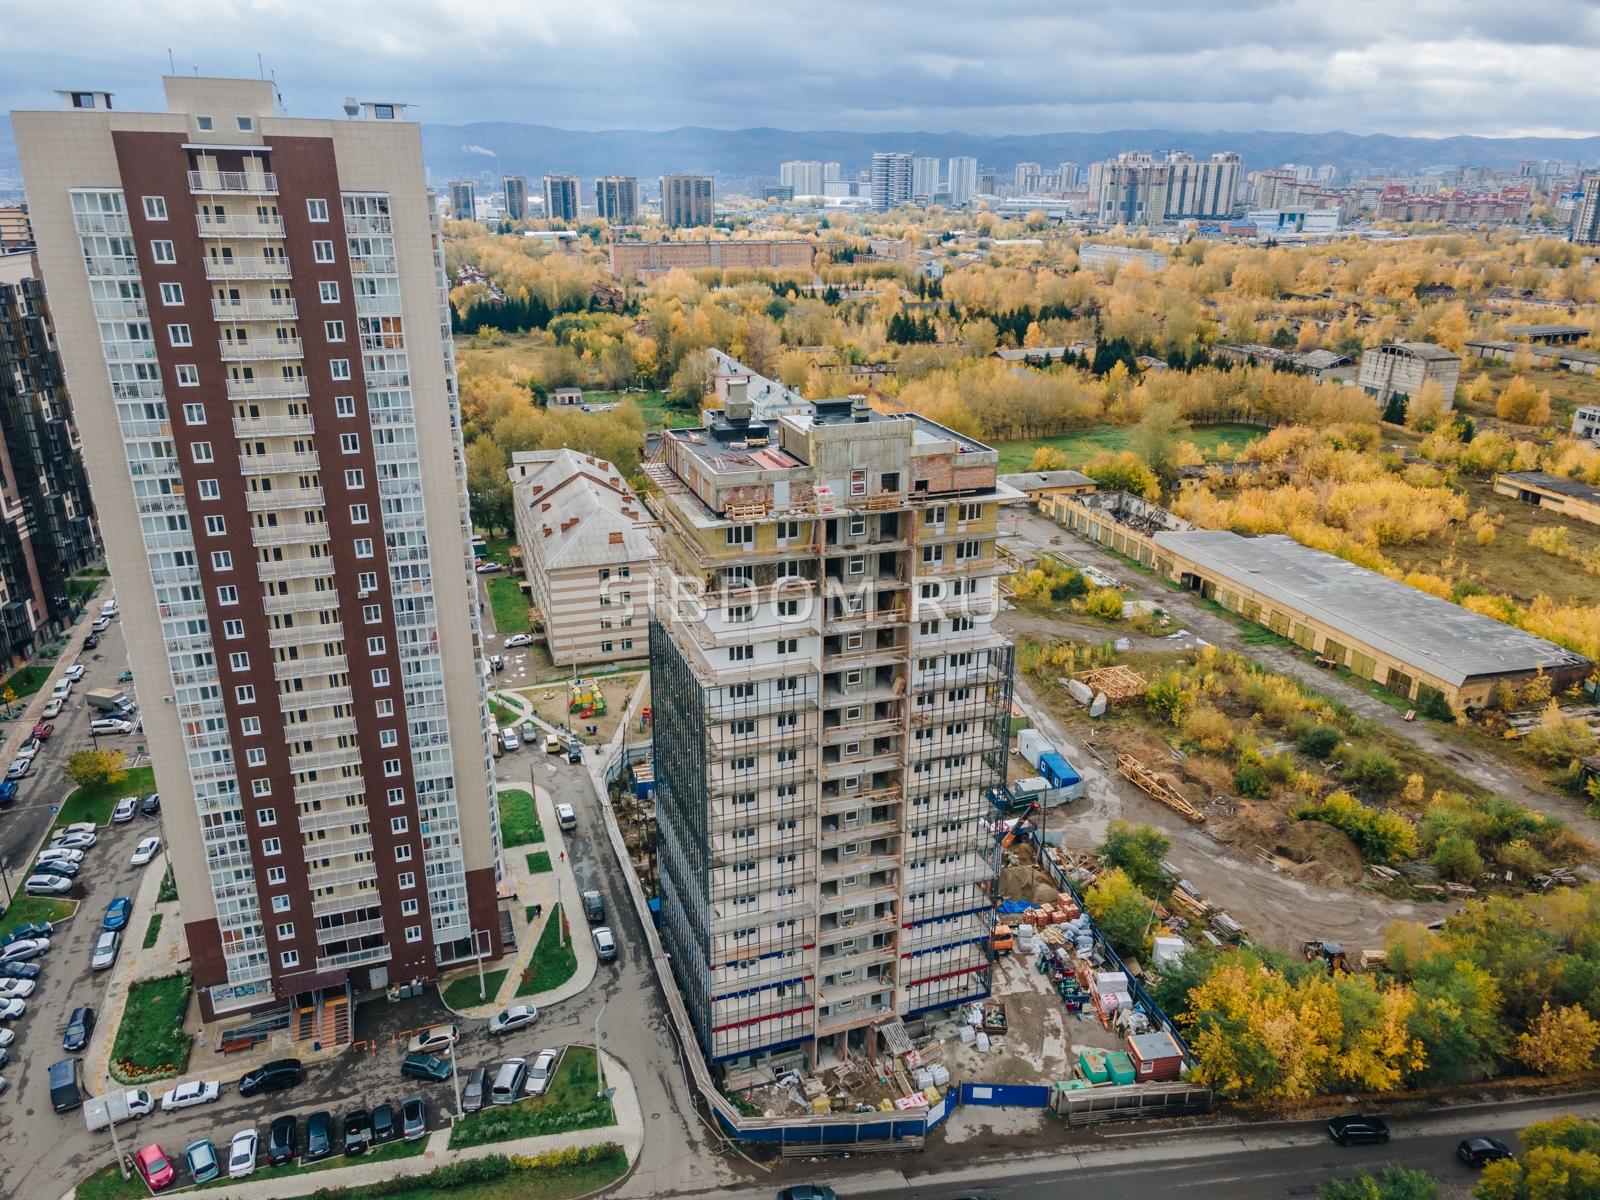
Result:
[
  {"x": 455, "y": 1077},
  {"x": 599, "y": 1067},
  {"x": 5, "y": 874}
]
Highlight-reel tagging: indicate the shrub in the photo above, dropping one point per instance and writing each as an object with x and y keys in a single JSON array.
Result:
[
  {"x": 1558, "y": 740},
  {"x": 1209, "y": 729},
  {"x": 1320, "y": 741},
  {"x": 1373, "y": 769},
  {"x": 1251, "y": 781},
  {"x": 1169, "y": 697},
  {"x": 1457, "y": 859},
  {"x": 1381, "y": 836},
  {"x": 1137, "y": 850},
  {"x": 1523, "y": 404},
  {"x": 1120, "y": 910},
  {"x": 1103, "y": 602}
]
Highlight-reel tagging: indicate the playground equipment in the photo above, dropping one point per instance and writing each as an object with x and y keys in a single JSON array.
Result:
[
  {"x": 644, "y": 719},
  {"x": 586, "y": 699}
]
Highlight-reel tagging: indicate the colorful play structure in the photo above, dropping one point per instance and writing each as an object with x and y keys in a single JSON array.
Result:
[{"x": 587, "y": 700}]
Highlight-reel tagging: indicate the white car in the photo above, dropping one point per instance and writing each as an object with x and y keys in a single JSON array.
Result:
[
  {"x": 110, "y": 725},
  {"x": 19, "y": 767},
  {"x": 78, "y": 827},
  {"x": 60, "y": 854},
  {"x": 74, "y": 672},
  {"x": 24, "y": 949},
  {"x": 99, "y": 624},
  {"x": 125, "y": 809},
  {"x": 53, "y": 709},
  {"x": 61, "y": 690},
  {"x": 140, "y": 1103},
  {"x": 519, "y": 639},
  {"x": 16, "y": 989},
  {"x": 147, "y": 849},
  {"x": 541, "y": 1072},
  {"x": 508, "y": 739},
  {"x": 105, "y": 950},
  {"x": 10, "y": 1010},
  {"x": 242, "y": 1154},
  {"x": 434, "y": 1041},
  {"x": 74, "y": 840},
  {"x": 186, "y": 1095},
  {"x": 47, "y": 885},
  {"x": 7, "y": 1036},
  {"x": 514, "y": 1017},
  {"x": 108, "y": 608}
]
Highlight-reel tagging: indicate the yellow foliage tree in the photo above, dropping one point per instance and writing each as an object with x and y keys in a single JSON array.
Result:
[
  {"x": 1559, "y": 1042},
  {"x": 1523, "y": 404}
]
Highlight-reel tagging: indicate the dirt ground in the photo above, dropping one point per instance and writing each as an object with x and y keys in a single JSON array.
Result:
[{"x": 550, "y": 700}]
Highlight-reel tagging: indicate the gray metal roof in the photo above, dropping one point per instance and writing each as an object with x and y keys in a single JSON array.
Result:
[
  {"x": 1556, "y": 483},
  {"x": 1445, "y": 640},
  {"x": 1034, "y": 480}
]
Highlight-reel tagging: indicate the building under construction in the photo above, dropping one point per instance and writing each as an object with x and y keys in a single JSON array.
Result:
[{"x": 830, "y": 709}]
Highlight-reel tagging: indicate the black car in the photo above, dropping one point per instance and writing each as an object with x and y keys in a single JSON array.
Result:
[
  {"x": 57, "y": 866},
  {"x": 19, "y": 970},
  {"x": 1481, "y": 1151},
  {"x": 282, "y": 1139},
  {"x": 594, "y": 906},
  {"x": 79, "y": 1027},
  {"x": 807, "y": 1191},
  {"x": 357, "y": 1132},
  {"x": 575, "y": 752},
  {"x": 1346, "y": 1130},
  {"x": 319, "y": 1136},
  {"x": 90, "y": 642},
  {"x": 272, "y": 1077},
  {"x": 150, "y": 806},
  {"x": 472, "y": 1091},
  {"x": 383, "y": 1127},
  {"x": 425, "y": 1066}
]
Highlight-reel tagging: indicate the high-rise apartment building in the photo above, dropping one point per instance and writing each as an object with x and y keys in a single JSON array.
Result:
[
  {"x": 1130, "y": 191},
  {"x": 1202, "y": 189},
  {"x": 963, "y": 180},
  {"x": 688, "y": 200},
  {"x": 1025, "y": 178},
  {"x": 924, "y": 179},
  {"x": 804, "y": 177},
  {"x": 1067, "y": 177},
  {"x": 16, "y": 233},
  {"x": 516, "y": 189},
  {"x": 1586, "y": 213},
  {"x": 561, "y": 201},
  {"x": 891, "y": 180},
  {"x": 831, "y": 715},
  {"x": 252, "y": 312},
  {"x": 616, "y": 199},
  {"x": 46, "y": 521},
  {"x": 463, "y": 201},
  {"x": 832, "y": 172}
]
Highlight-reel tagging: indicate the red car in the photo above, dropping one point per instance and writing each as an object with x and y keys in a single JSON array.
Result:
[
  {"x": 153, "y": 1165},
  {"x": 43, "y": 730}
]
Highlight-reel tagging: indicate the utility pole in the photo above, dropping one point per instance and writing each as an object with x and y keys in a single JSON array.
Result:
[
  {"x": 455, "y": 1076},
  {"x": 599, "y": 1066},
  {"x": 477, "y": 950}
]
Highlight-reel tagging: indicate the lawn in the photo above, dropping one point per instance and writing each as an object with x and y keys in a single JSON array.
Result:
[
  {"x": 519, "y": 820},
  {"x": 27, "y": 681},
  {"x": 169, "y": 888},
  {"x": 656, "y": 413},
  {"x": 152, "y": 931},
  {"x": 150, "y": 1041},
  {"x": 553, "y": 962},
  {"x": 509, "y": 605},
  {"x": 570, "y": 1104},
  {"x": 504, "y": 717},
  {"x": 463, "y": 993},
  {"x": 28, "y": 909},
  {"x": 1081, "y": 447},
  {"x": 95, "y": 804},
  {"x": 539, "y": 862}
]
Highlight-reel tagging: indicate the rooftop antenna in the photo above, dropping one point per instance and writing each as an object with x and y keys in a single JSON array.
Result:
[
  {"x": 171, "y": 66},
  {"x": 261, "y": 69}
]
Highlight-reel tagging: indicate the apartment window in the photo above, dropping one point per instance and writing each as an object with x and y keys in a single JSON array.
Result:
[
  {"x": 163, "y": 252},
  {"x": 290, "y": 958},
  {"x": 317, "y": 210},
  {"x": 933, "y": 516},
  {"x": 340, "y": 367},
  {"x": 155, "y": 208},
  {"x": 204, "y": 124},
  {"x": 928, "y": 628},
  {"x": 966, "y": 550},
  {"x": 785, "y": 828},
  {"x": 285, "y": 931},
  {"x": 329, "y": 291},
  {"x": 245, "y": 693},
  {"x": 605, "y": 647},
  {"x": 858, "y": 482},
  {"x": 333, "y": 331},
  {"x": 969, "y": 512},
  {"x": 741, "y": 653},
  {"x": 739, "y": 613},
  {"x": 375, "y": 645},
  {"x": 194, "y": 414},
  {"x": 233, "y": 629},
  {"x": 788, "y": 645},
  {"x": 627, "y": 643},
  {"x": 388, "y": 738},
  {"x": 960, "y": 624},
  {"x": 355, "y": 479},
  {"x": 221, "y": 560},
  {"x": 322, "y": 252},
  {"x": 785, "y": 757},
  {"x": 740, "y": 535},
  {"x": 399, "y": 824},
  {"x": 930, "y": 591},
  {"x": 402, "y": 854},
  {"x": 380, "y": 677},
  {"x": 261, "y": 787},
  {"x": 172, "y": 294},
  {"x": 228, "y": 595},
  {"x": 280, "y": 904},
  {"x": 239, "y": 661},
  {"x": 216, "y": 525},
  {"x": 188, "y": 375},
  {"x": 275, "y": 875},
  {"x": 385, "y": 708},
  {"x": 397, "y": 795},
  {"x": 743, "y": 728},
  {"x": 407, "y": 879},
  {"x": 932, "y": 555},
  {"x": 788, "y": 720},
  {"x": 957, "y": 695},
  {"x": 852, "y": 678},
  {"x": 372, "y": 613},
  {"x": 851, "y": 749},
  {"x": 367, "y": 581},
  {"x": 344, "y": 406},
  {"x": 858, "y": 525},
  {"x": 788, "y": 531},
  {"x": 250, "y": 726},
  {"x": 255, "y": 757},
  {"x": 350, "y": 443},
  {"x": 358, "y": 514},
  {"x": 413, "y": 933},
  {"x": 200, "y": 452},
  {"x": 245, "y": 124},
  {"x": 853, "y": 713},
  {"x": 363, "y": 547},
  {"x": 853, "y": 641},
  {"x": 745, "y": 763},
  {"x": 391, "y": 767},
  {"x": 271, "y": 845}
]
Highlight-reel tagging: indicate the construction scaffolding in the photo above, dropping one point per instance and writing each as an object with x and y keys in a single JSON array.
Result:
[
  {"x": 1119, "y": 683},
  {"x": 1140, "y": 774}
]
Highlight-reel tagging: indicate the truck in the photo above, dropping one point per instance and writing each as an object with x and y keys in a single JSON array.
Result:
[
  {"x": 139, "y": 1104},
  {"x": 109, "y": 700}
]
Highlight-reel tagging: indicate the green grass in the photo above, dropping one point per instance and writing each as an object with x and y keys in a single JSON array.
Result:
[
  {"x": 656, "y": 413},
  {"x": 95, "y": 804},
  {"x": 544, "y": 1183},
  {"x": 570, "y": 1104},
  {"x": 150, "y": 1040},
  {"x": 152, "y": 931},
  {"x": 1081, "y": 447},
  {"x": 552, "y": 963},
  {"x": 27, "y": 681},
  {"x": 28, "y": 909},
  {"x": 519, "y": 819},
  {"x": 509, "y": 605},
  {"x": 1250, "y": 632},
  {"x": 169, "y": 888},
  {"x": 504, "y": 717},
  {"x": 463, "y": 993},
  {"x": 539, "y": 862}
]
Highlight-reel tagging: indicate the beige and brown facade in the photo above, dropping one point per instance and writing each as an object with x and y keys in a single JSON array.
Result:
[{"x": 252, "y": 316}]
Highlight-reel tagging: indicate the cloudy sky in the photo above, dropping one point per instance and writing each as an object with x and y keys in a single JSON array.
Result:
[{"x": 1492, "y": 67}]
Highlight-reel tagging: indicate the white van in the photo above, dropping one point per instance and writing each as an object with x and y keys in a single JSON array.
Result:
[
  {"x": 62, "y": 689},
  {"x": 109, "y": 608}
]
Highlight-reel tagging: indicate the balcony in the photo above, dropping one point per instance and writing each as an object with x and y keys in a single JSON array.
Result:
[
  {"x": 861, "y": 899},
  {"x": 288, "y": 535},
  {"x": 325, "y": 760},
  {"x": 370, "y": 224},
  {"x": 359, "y": 843},
  {"x": 861, "y": 800},
  {"x": 351, "y": 929},
  {"x": 266, "y": 348},
  {"x": 329, "y": 789},
  {"x": 334, "y": 727},
  {"x": 835, "y": 832},
  {"x": 320, "y": 698},
  {"x": 864, "y": 764},
  {"x": 279, "y": 464},
  {"x": 860, "y": 864},
  {"x": 247, "y": 268},
  {"x": 304, "y": 668},
  {"x": 860, "y": 731},
  {"x": 241, "y": 226},
  {"x": 255, "y": 427},
  {"x": 297, "y": 568},
  {"x": 255, "y": 310},
  {"x": 330, "y": 905},
  {"x": 303, "y": 635},
  {"x": 247, "y": 183},
  {"x": 866, "y": 655},
  {"x": 297, "y": 602},
  {"x": 280, "y": 500},
  {"x": 372, "y": 264},
  {"x": 268, "y": 388},
  {"x": 377, "y": 954}
]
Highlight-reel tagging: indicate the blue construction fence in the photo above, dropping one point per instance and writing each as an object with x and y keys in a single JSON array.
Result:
[
  {"x": 840, "y": 1131},
  {"x": 1013, "y": 1095}
]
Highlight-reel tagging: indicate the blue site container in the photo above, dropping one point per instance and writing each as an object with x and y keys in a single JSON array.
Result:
[{"x": 1058, "y": 771}]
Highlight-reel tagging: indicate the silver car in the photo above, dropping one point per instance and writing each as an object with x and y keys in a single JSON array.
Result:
[{"x": 105, "y": 950}]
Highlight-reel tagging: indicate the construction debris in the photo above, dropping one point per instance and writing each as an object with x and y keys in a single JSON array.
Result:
[
  {"x": 1119, "y": 683},
  {"x": 1136, "y": 771}
]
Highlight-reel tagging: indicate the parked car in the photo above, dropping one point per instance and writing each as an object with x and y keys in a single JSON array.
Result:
[
  {"x": 110, "y": 725},
  {"x": 60, "y": 854},
  {"x": 35, "y": 929},
  {"x": 435, "y": 1040},
  {"x": 125, "y": 809},
  {"x": 384, "y": 1128},
  {"x": 8, "y": 792},
  {"x": 605, "y": 945},
  {"x": 91, "y": 642},
  {"x": 17, "y": 970},
  {"x": 105, "y": 950},
  {"x": 80, "y": 1025},
  {"x": 29, "y": 946},
  {"x": 552, "y": 743},
  {"x": 147, "y": 849},
  {"x": 530, "y": 732},
  {"x": 242, "y": 1154},
  {"x": 47, "y": 885},
  {"x": 486, "y": 568},
  {"x": 507, "y": 1086},
  {"x": 18, "y": 768},
  {"x": 594, "y": 906},
  {"x": 30, "y": 747},
  {"x": 518, "y": 639},
  {"x": 357, "y": 1132},
  {"x": 99, "y": 625},
  {"x": 108, "y": 608},
  {"x": 319, "y": 1136},
  {"x": 118, "y": 912},
  {"x": 807, "y": 1191},
  {"x": 75, "y": 839},
  {"x": 153, "y": 1165},
  {"x": 473, "y": 1089},
  {"x": 10, "y": 1010},
  {"x": 201, "y": 1157},
  {"x": 1348, "y": 1129},
  {"x": 150, "y": 806},
  {"x": 574, "y": 751},
  {"x": 53, "y": 709},
  {"x": 283, "y": 1138},
  {"x": 16, "y": 989},
  {"x": 58, "y": 866},
  {"x": 566, "y": 816},
  {"x": 140, "y": 1103},
  {"x": 508, "y": 739},
  {"x": 74, "y": 672},
  {"x": 78, "y": 827},
  {"x": 125, "y": 677},
  {"x": 1481, "y": 1151},
  {"x": 425, "y": 1066},
  {"x": 414, "y": 1117},
  {"x": 542, "y": 1071},
  {"x": 43, "y": 730},
  {"x": 186, "y": 1095},
  {"x": 514, "y": 1017},
  {"x": 272, "y": 1077}
]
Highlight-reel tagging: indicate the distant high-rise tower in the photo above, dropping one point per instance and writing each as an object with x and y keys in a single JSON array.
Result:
[
  {"x": 1201, "y": 189},
  {"x": 687, "y": 200},
  {"x": 561, "y": 198},
  {"x": 963, "y": 180},
  {"x": 924, "y": 179},
  {"x": 1586, "y": 213},
  {"x": 831, "y": 173},
  {"x": 462, "y": 201},
  {"x": 891, "y": 180},
  {"x": 616, "y": 199},
  {"x": 1025, "y": 178},
  {"x": 516, "y": 197},
  {"x": 1067, "y": 176},
  {"x": 804, "y": 177}
]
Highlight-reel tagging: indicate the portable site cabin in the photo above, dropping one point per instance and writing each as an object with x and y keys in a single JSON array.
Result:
[
  {"x": 1059, "y": 772},
  {"x": 1155, "y": 1056},
  {"x": 1032, "y": 744}
]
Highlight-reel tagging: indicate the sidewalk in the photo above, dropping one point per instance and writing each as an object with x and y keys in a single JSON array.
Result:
[{"x": 547, "y": 888}]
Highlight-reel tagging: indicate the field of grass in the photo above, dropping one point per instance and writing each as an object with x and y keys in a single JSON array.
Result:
[
  {"x": 509, "y": 605},
  {"x": 169, "y": 888},
  {"x": 95, "y": 804},
  {"x": 570, "y": 1104},
  {"x": 656, "y": 413},
  {"x": 539, "y": 862},
  {"x": 150, "y": 1041},
  {"x": 28, "y": 909},
  {"x": 152, "y": 931},
  {"x": 1568, "y": 392},
  {"x": 553, "y": 962},
  {"x": 463, "y": 993},
  {"x": 1081, "y": 447},
  {"x": 519, "y": 819},
  {"x": 504, "y": 716},
  {"x": 27, "y": 681}
]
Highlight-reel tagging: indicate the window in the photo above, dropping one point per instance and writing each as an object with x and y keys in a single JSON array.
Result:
[
  {"x": 350, "y": 443},
  {"x": 290, "y": 958},
  {"x": 928, "y": 628},
  {"x": 276, "y": 875},
  {"x": 329, "y": 292},
  {"x": 344, "y": 406},
  {"x": 245, "y": 693},
  {"x": 388, "y": 738},
  {"x": 372, "y": 613},
  {"x": 179, "y": 335},
  {"x": 740, "y": 535},
  {"x": 171, "y": 294},
  {"x": 385, "y": 708},
  {"x": 788, "y": 645},
  {"x": 739, "y": 613},
  {"x": 407, "y": 879},
  {"x": 255, "y": 757},
  {"x": 852, "y": 748},
  {"x": 741, "y": 653},
  {"x": 413, "y": 933},
  {"x": 375, "y": 645},
  {"x": 322, "y": 252},
  {"x": 271, "y": 845},
  {"x": 216, "y": 525},
  {"x": 363, "y": 547},
  {"x": 200, "y": 452},
  {"x": 788, "y": 531},
  {"x": 367, "y": 581},
  {"x": 228, "y": 595},
  {"x": 340, "y": 367},
  {"x": 239, "y": 661},
  {"x": 317, "y": 210},
  {"x": 743, "y": 728},
  {"x": 969, "y": 512},
  {"x": 250, "y": 726},
  {"x": 856, "y": 566},
  {"x": 627, "y": 643},
  {"x": 853, "y": 641},
  {"x": 858, "y": 482},
  {"x": 960, "y": 624},
  {"x": 402, "y": 854},
  {"x": 280, "y": 904},
  {"x": 932, "y": 554},
  {"x": 788, "y": 608},
  {"x": 245, "y": 124},
  {"x": 203, "y": 124},
  {"x": 858, "y": 525},
  {"x": 194, "y": 414},
  {"x": 188, "y": 375},
  {"x": 233, "y": 629},
  {"x": 397, "y": 796},
  {"x": 968, "y": 550},
  {"x": 355, "y": 479},
  {"x": 221, "y": 560},
  {"x": 155, "y": 208},
  {"x": 933, "y": 516},
  {"x": 358, "y": 514},
  {"x": 787, "y": 756},
  {"x": 399, "y": 824},
  {"x": 163, "y": 252},
  {"x": 261, "y": 787},
  {"x": 391, "y": 767},
  {"x": 266, "y": 816},
  {"x": 746, "y": 763},
  {"x": 333, "y": 330},
  {"x": 605, "y": 647},
  {"x": 380, "y": 677},
  {"x": 789, "y": 683},
  {"x": 285, "y": 931}
]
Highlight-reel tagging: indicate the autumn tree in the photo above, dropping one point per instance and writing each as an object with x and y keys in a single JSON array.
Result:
[
  {"x": 1157, "y": 437},
  {"x": 1523, "y": 404},
  {"x": 488, "y": 487},
  {"x": 1560, "y": 1041},
  {"x": 1396, "y": 1183},
  {"x": 1137, "y": 850},
  {"x": 1560, "y": 1160},
  {"x": 97, "y": 770},
  {"x": 1120, "y": 910}
]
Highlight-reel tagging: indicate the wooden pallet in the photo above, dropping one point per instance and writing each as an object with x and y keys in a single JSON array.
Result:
[
  {"x": 1119, "y": 683},
  {"x": 1138, "y": 773}
]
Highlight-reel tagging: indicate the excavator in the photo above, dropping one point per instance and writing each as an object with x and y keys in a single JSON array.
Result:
[{"x": 1331, "y": 953}]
